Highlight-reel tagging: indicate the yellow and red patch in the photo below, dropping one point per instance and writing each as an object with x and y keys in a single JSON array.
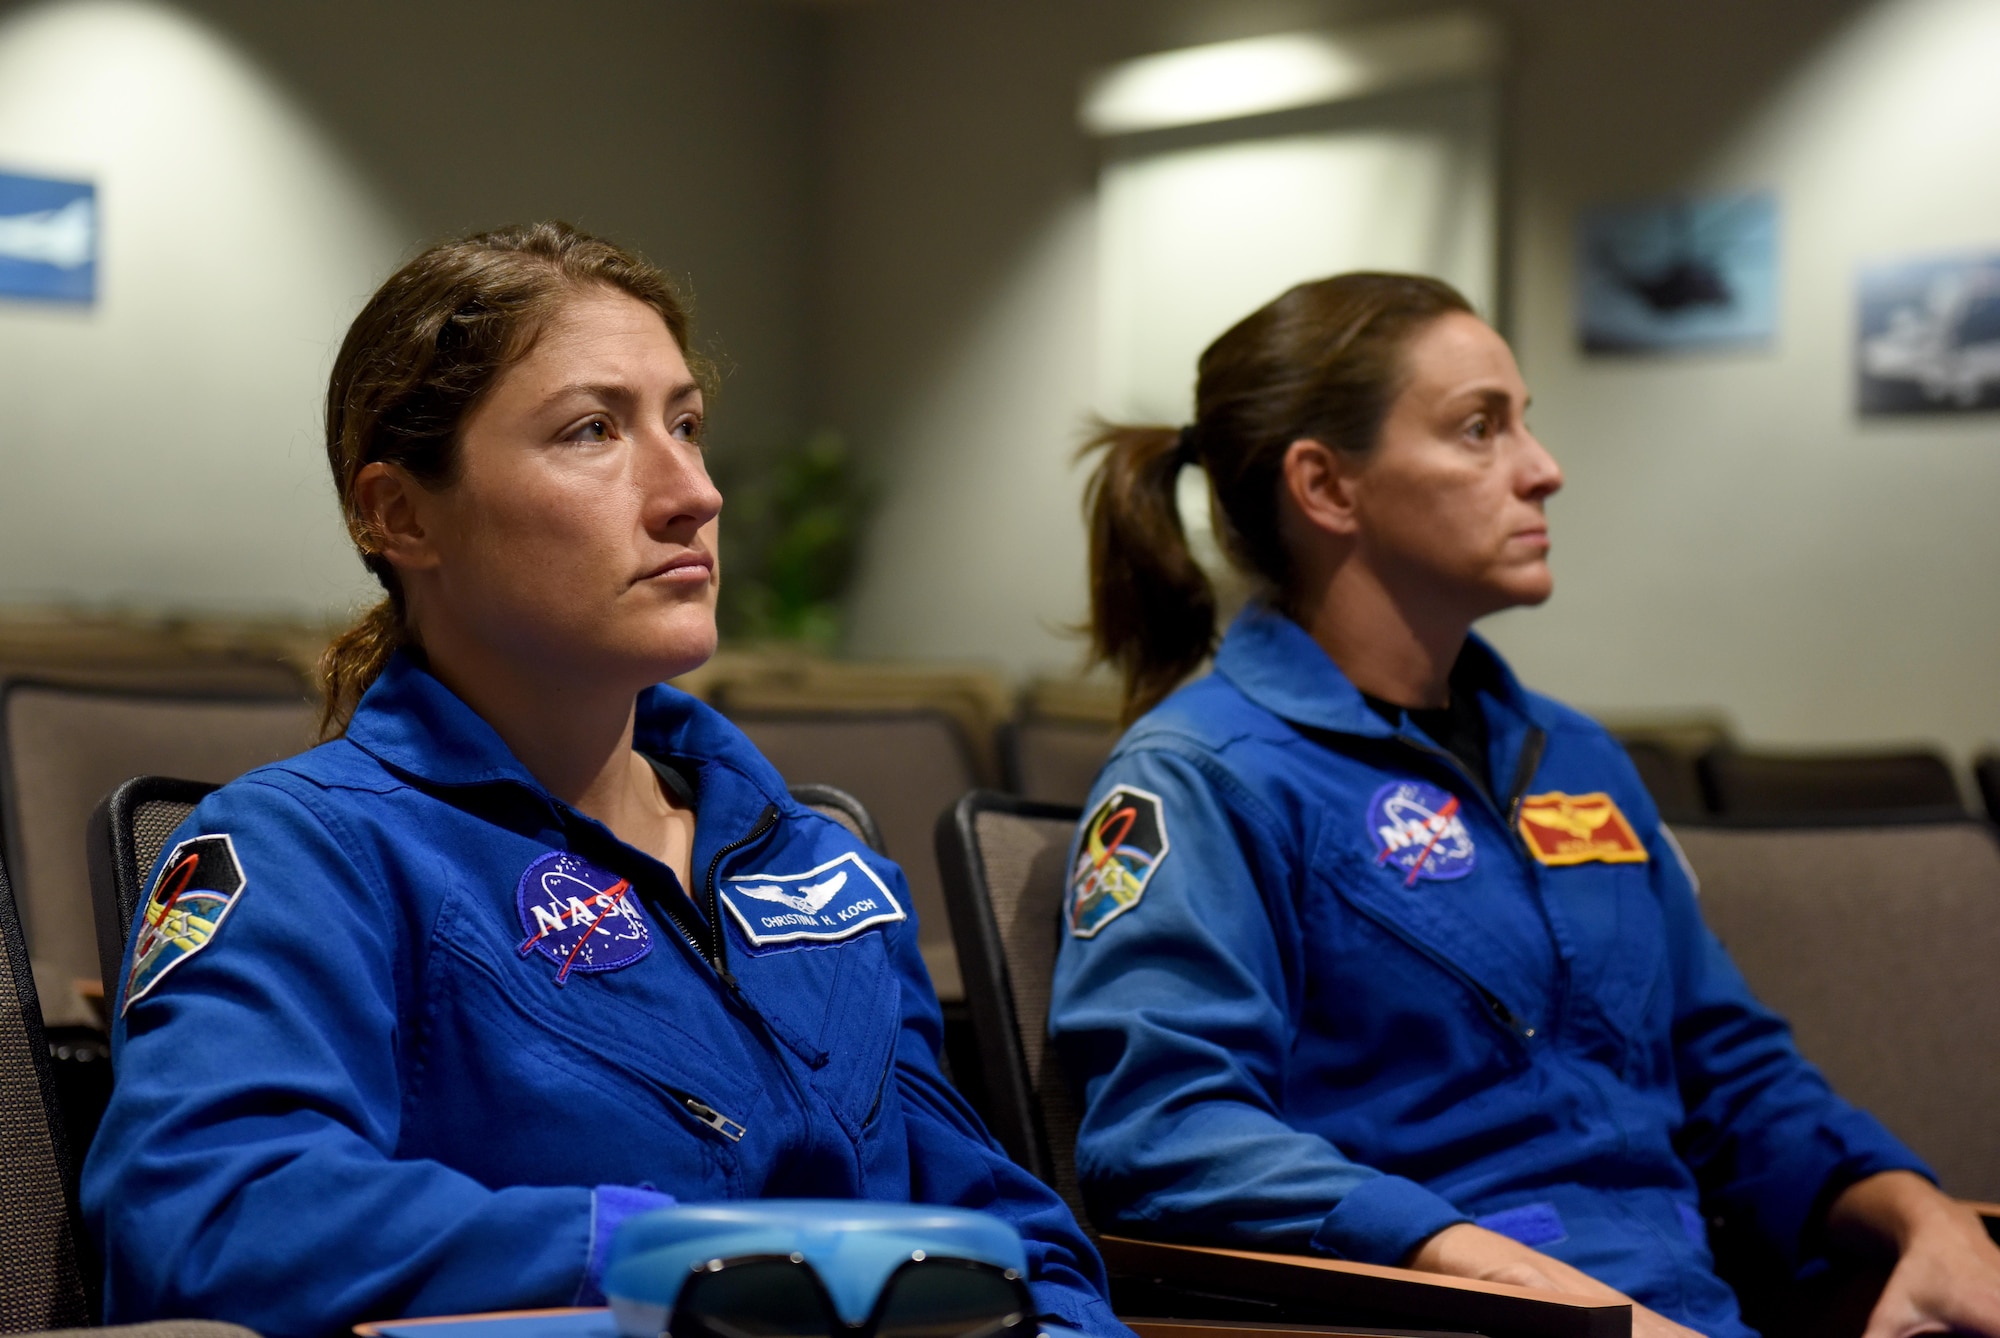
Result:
[{"x": 1578, "y": 829}]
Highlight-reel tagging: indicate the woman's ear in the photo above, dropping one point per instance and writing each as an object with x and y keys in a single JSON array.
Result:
[
  {"x": 1320, "y": 483},
  {"x": 389, "y": 517}
]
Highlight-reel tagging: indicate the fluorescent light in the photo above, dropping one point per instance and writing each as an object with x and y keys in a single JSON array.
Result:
[{"x": 1257, "y": 75}]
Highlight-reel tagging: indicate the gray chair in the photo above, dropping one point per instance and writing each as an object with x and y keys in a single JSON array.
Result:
[
  {"x": 45, "y": 1281},
  {"x": 1878, "y": 944},
  {"x": 1773, "y": 787},
  {"x": 1054, "y": 761},
  {"x": 61, "y": 748},
  {"x": 907, "y": 766},
  {"x": 1672, "y": 778},
  {"x": 1004, "y": 861}
]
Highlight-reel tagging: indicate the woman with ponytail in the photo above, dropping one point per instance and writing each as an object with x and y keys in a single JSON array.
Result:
[
  {"x": 1370, "y": 951},
  {"x": 412, "y": 1021}
]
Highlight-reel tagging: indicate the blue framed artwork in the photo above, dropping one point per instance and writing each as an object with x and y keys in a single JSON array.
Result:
[
  {"x": 1928, "y": 338},
  {"x": 48, "y": 239},
  {"x": 1685, "y": 274}
]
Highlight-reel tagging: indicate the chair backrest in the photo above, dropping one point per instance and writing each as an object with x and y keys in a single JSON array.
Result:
[
  {"x": 128, "y": 830},
  {"x": 1054, "y": 761},
  {"x": 907, "y": 767},
  {"x": 831, "y": 801},
  {"x": 42, "y": 1278},
  {"x": 61, "y": 749},
  {"x": 1672, "y": 778},
  {"x": 1986, "y": 771},
  {"x": 1793, "y": 785},
  {"x": 1003, "y": 861},
  {"x": 1878, "y": 943}
]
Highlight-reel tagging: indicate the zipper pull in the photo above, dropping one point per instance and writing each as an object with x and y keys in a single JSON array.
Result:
[
  {"x": 1507, "y": 1018},
  {"x": 714, "y": 1119}
]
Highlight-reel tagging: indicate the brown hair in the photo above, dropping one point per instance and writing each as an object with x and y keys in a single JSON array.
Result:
[
  {"x": 417, "y": 361},
  {"x": 1323, "y": 361}
]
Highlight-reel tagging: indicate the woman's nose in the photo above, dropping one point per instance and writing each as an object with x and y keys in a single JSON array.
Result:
[
  {"x": 677, "y": 488},
  {"x": 1540, "y": 474}
]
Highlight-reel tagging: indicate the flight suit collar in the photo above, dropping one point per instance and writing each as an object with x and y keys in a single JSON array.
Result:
[
  {"x": 1276, "y": 663},
  {"x": 411, "y": 722}
]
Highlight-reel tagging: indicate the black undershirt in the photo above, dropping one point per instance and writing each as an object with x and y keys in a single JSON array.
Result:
[{"x": 1458, "y": 727}]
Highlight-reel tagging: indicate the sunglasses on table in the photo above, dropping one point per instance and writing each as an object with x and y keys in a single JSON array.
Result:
[{"x": 783, "y": 1296}]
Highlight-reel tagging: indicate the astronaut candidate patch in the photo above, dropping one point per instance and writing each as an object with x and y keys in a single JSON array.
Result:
[
  {"x": 833, "y": 901},
  {"x": 198, "y": 884},
  {"x": 1124, "y": 840}
]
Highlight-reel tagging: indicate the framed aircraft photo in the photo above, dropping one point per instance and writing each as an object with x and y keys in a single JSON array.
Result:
[
  {"x": 1928, "y": 337},
  {"x": 48, "y": 239},
  {"x": 1685, "y": 274}
]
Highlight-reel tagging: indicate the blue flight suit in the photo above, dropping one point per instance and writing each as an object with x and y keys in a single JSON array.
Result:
[
  {"x": 392, "y": 1011},
  {"x": 1318, "y": 993}
]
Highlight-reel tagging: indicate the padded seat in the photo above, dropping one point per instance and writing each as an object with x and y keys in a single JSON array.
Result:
[
  {"x": 1768, "y": 786},
  {"x": 1878, "y": 944}
]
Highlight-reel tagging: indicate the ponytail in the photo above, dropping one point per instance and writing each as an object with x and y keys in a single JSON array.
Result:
[
  {"x": 1323, "y": 361},
  {"x": 354, "y": 661},
  {"x": 1152, "y": 608}
]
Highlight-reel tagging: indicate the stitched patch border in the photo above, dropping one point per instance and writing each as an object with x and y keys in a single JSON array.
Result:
[
  {"x": 199, "y": 883},
  {"x": 1124, "y": 842}
]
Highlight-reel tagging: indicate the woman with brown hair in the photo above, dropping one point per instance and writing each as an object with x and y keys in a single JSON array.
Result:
[
  {"x": 1371, "y": 951},
  {"x": 411, "y": 1022}
]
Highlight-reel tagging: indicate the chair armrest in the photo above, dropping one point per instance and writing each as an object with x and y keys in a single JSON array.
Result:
[
  {"x": 1989, "y": 1213},
  {"x": 1308, "y": 1289}
]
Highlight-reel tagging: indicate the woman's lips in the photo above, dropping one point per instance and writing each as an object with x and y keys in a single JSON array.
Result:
[{"x": 688, "y": 569}]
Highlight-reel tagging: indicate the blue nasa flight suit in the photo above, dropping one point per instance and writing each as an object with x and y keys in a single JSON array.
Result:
[
  {"x": 435, "y": 1007},
  {"x": 1348, "y": 1007}
]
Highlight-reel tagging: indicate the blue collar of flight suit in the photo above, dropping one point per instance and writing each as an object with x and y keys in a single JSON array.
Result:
[
  {"x": 1276, "y": 664},
  {"x": 412, "y": 723}
]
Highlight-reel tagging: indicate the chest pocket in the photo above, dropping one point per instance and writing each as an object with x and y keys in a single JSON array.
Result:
[
  {"x": 838, "y": 1007},
  {"x": 638, "y": 1076},
  {"x": 1619, "y": 981}
]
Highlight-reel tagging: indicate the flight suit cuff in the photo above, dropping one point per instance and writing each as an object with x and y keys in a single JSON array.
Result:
[
  {"x": 1381, "y": 1220},
  {"x": 610, "y": 1205}
]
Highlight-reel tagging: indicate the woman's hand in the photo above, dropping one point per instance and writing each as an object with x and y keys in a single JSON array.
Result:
[
  {"x": 1947, "y": 1275},
  {"x": 1467, "y": 1251}
]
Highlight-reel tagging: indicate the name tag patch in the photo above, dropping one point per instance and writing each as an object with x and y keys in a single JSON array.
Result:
[
  {"x": 1579, "y": 829},
  {"x": 1124, "y": 840},
  {"x": 1415, "y": 827},
  {"x": 579, "y": 916},
  {"x": 198, "y": 885},
  {"x": 837, "y": 900}
]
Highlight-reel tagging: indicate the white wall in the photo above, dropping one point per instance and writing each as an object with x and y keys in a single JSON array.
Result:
[
  {"x": 1732, "y": 536},
  {"x": 262, "y": 167},
  {"x": 159, "y": 445}
]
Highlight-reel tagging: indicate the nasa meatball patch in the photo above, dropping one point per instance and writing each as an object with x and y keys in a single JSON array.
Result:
[
  {"x": 579, "y": 917},
  {"x": 1415, "y": 828},
  {"x": 198, "y": 884},
  {"x": 836, "y": 900},
  {"x": 1124, "y": 840}
]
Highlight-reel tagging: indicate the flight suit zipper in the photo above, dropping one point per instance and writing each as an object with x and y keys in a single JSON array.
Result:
[
  {"x": 719, "y": 959},
  {"x": 733, "y": 1130}
]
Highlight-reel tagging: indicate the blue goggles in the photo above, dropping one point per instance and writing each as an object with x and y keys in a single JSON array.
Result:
[{"x": 818, "y": 1269}]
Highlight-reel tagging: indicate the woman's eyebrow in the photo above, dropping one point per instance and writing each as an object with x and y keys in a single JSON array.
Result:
[{"x": 617, "y": 392}]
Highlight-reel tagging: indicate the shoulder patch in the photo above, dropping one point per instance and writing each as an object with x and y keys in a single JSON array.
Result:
[
  {"x": 836, "y": 900},
  {"x": 579, "y": 916},
  {"x": 1579, "y": 829},
  {"x": 1124, "y": 840},
  {"x": 198, "y": 883},
  {"x": 1415, "y": 828}
]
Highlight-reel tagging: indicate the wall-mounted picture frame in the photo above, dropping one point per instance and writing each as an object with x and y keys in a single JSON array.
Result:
[
  {"x": 48, "y": 239},
  {"x": 1678, "y": 275},
  {"x": 1927, "y": 337}
]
